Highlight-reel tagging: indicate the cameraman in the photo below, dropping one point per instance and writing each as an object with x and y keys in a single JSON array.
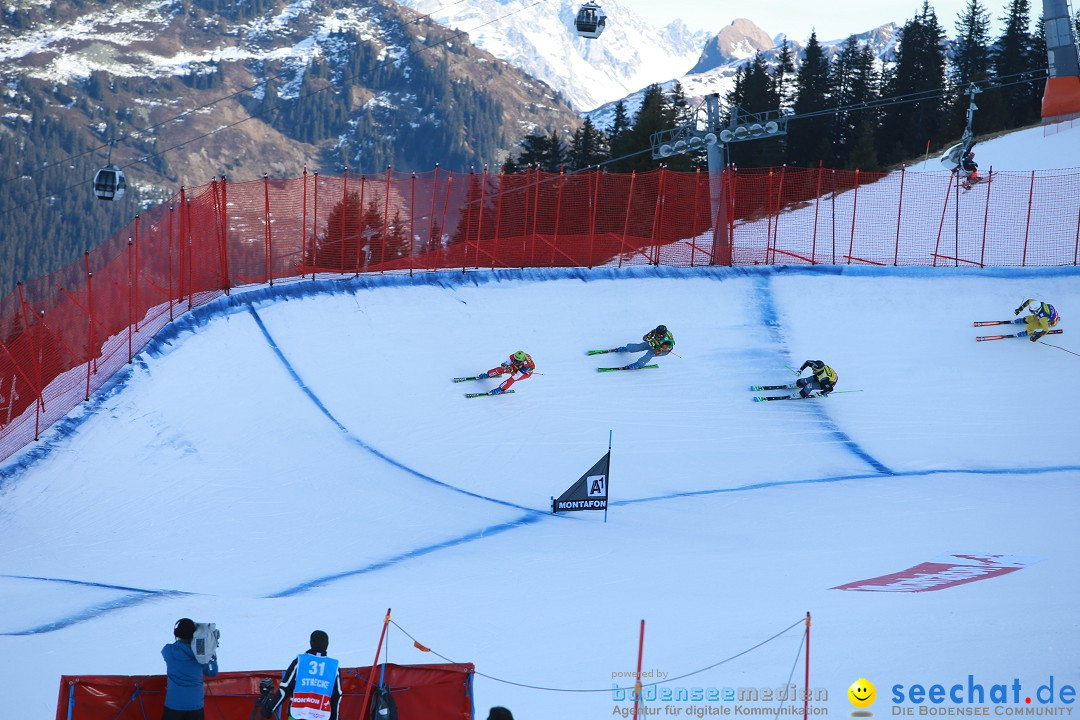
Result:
[
  {"x": 184, "y": 691},
  {"x": 312, "y": 682}
]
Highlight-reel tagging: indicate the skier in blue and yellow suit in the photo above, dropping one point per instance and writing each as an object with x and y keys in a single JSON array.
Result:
[
  {"x": 1043, "y": 317},
  {"x": 820, "y": 384}
]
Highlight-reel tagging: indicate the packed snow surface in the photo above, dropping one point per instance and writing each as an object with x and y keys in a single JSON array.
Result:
[{"x": 297, "y": 457}]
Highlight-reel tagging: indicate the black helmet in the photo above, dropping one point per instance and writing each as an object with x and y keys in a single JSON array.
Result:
[
  {"x": 184, "y": 629},
  {"x": 661, "y": 330}
]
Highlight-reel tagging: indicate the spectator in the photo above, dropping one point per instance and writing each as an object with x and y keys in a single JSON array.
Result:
[{"x": 184, "y": 691}]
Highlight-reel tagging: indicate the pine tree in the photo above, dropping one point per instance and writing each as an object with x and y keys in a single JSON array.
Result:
[
  {"x": 920, "y": 68},
  {"x": 784, "y": 73},
  {"x": 655, "y": 114},
  {"x": 618, "y": 133},
  {"x": 971, "y": 63},
  {"x": 808, "y": 138},
  {"x": 534, "y": 150},
  {"x": 1012, "y": 55},
  {"x": 588, "y": 147}
]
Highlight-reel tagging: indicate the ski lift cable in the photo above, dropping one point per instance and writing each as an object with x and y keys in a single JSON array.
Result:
[
  {"x": 145, "y": 156},
  {"x": 149, "y": 130}
]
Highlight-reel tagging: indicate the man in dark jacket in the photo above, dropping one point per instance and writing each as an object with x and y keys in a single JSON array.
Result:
[
  {"x": 184, "y": 694},
  {"x": 312, "y": 683}
]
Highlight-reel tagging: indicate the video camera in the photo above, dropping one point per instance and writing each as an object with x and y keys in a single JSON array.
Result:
[
  {"x": 205, "y": 641},
  {"x": 264, "y": 704}
]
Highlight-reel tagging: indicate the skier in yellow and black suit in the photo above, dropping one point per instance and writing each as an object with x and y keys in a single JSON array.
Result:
[
  {"x": 1043, "y": 317},
  {"x": 820, "y": 384}
]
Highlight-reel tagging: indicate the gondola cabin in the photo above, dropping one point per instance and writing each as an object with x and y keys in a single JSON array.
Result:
[
  {"x": 109, "y": 183},
  {"x": 590, "y": 21}
]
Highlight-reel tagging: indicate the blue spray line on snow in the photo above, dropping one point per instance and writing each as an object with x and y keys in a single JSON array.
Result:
[
  {"x": 528, "y": 519},
  {"x": 357, "y": 441},
  {"x": 485, "y": 532},
  {"x": 771, "y": 319}
]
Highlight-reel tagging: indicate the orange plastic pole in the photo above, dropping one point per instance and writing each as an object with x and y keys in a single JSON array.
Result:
[
  {"x": 637, "y": 681},
  {"x": 374, "y": 665}
]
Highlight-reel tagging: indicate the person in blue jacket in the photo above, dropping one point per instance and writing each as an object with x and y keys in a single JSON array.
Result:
[{"x": 184, "y": 692}]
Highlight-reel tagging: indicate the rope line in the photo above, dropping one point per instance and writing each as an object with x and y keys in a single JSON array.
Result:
[{"x": 603, "y": 690}]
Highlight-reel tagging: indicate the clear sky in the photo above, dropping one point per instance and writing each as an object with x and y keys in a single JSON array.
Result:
[{"x": 795, "y": 18}]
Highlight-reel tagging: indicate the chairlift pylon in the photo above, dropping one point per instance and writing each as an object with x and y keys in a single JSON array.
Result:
[{"x": 590, "y": 21}]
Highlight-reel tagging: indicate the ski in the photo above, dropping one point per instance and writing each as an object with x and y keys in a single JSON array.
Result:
[
  {"x": 472, "y": 395},
  {"x": 773, "y": 387},
  {"x": 1002, "y": 337},
  {"x": 474, "y": 377},
  {"x": 993, "y": 322},
  {"x": 626, "y": 367},
  {"x": 779, "y": 397},
  {"x": 600, "y": 352}
]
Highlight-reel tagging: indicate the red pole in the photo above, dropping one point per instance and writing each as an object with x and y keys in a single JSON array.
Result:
[
  {"x": 498, "y": 216},
  {"x": 180, "y": 251},
  {"x": 779, "y": 205},
  {"x": 1027, "y": 226},
  {"x": 344, "y": 215},
  {"x": 986, "y": 216},
  {"x": 592, "y": 217},
  {"x": 33, "y": 349},
  {"x": 446, "y": 203},
  {"x": 693, "y": 215},
  {"x": 91, "y": 356},
  {"x": 626, "y": 220},
  {"x": 899, "y": 210},
  {"x": 1076, "y": 245},
  {"x": 817, "y": 208},
  {"x": 136, "y": 273},
  {"x": 806, "y": 681},
  {"x": 480, "y": 217},
  {"x": 191, "y": 278},
  {"x": 525, "y": 213},
  {"x": 658, "y": 216},
  {"x": 536, "y": 205},
  {"x": 637, "y": 681},
  {"x": 170, "y": 265},
  {"x": 468, "y": 220},
  {"x": 769, "y": 254},
  {"x": 385, "y": 215},
  {"x": 131, "y": 312},
  {"x": 267, "y": 247},
  {"x": 412, "y": 220},
  {"x": 314, "y": 224},
  {"x": 558, "y": 216},
  {"x": 854, "y": 210},
  {"x": 303, "y": 225},
  {"x": 360, "y": 224},
  {"x": 374, "y": 667},
  {"x": 225, "y": 234},
  {"x": 941, "y": 225},
  {"x": 431, "y": 217}
]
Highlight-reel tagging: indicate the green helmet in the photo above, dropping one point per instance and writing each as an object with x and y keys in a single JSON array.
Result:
[{"x": 520, "y": 356}]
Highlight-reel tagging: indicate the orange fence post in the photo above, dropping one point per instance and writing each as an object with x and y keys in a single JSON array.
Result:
[
  {"x": 303, "y": 223},
  {"x": 944, "y": 209},
  {"x": 344, "y": 215},
  {"x": 854, "y": 211},
  {"x": 91, "y": 356},
  {"x": 899, "y": 211},
  {"x": 412, "y": 220},
  {"x": 314, "y": 225},
  {"x": 626, "y": 220},
  {"x": 986, "y": 215},
  {"x": 817, "y": 208},
  {"x": 1027, "y": 225},
  {"x": 595, "y": 204},
  {"x": 169, "y": 252},
  {"x": 267, "y": 243},
  {"x": 385, "y": 217},
  {"x": 225, "y": 279}
]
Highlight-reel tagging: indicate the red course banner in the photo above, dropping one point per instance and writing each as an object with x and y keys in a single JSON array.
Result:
[{"x": 942, "y": 572}]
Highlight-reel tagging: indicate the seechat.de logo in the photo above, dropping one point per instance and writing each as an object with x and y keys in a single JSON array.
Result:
[{"x": 862, "y": 695}]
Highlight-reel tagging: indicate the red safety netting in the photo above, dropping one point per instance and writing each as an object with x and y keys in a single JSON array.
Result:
[
  {"x": 63, "y": 335},
  {"x": 433, "y": 692}
]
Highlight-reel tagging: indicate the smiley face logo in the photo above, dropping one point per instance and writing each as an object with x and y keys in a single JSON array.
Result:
[{"x": 862, "y": 693}]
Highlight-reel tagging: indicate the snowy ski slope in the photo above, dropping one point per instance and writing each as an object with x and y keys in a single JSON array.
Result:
[{"x": 195, "y": 484}]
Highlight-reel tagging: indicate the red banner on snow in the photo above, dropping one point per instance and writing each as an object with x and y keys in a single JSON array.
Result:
[
  {"x": 432, "y": 692},
  {"x": 942, "y": 572}
]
